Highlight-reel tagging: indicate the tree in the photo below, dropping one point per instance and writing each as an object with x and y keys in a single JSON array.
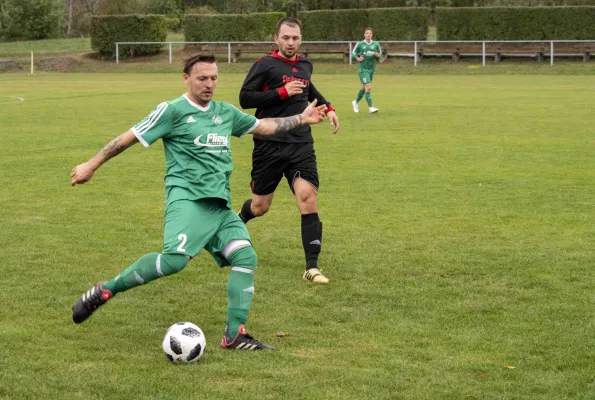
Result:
[{"x": 30, "y": 19}]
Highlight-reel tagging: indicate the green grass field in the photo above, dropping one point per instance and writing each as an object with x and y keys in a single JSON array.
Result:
[{"x": 459, "y": 240}]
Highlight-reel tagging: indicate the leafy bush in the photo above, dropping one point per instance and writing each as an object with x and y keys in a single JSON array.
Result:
[
  {"x": 106, "y": 30},
  {"x": 516, "y": 23},
  {"x": 29, "y": 19},
  {"x": 231, "y": 27},
  {"x": 388, "y": 24}
]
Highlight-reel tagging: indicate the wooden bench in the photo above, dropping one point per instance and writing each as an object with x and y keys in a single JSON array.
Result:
[
  {"x": 326, "y": 48},
  {"x": 306, "y": 49},
  {"x": 496, "y": 50}
]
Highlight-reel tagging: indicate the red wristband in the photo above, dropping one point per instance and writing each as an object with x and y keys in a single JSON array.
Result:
[{"x": 283, "y": 93}]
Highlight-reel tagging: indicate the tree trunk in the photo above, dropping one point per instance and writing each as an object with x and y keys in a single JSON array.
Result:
[{"x": 69, "y": 29}]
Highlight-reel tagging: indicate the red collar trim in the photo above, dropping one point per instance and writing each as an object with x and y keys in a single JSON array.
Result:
[{"x": 276, "y": 54}]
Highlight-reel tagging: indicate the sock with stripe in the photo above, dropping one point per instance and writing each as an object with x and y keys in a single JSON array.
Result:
[
  {"x": 240, "y": 289},
  {"x": 360, "y": 94},
  {"x": 311, "y": 238},
  {"x": 369, "y": 98},
  {"x": 147, "y": 268}
]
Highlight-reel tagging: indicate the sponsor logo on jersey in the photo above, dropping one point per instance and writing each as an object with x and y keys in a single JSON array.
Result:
[
  {"x": 217, "y": 120},
  {"x": 190, "y": 120},
  {"x": 212, "y": 140},
  {"x": 287, "y": 79}
]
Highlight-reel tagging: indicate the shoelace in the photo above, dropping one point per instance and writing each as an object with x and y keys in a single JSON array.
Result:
[
  {"x": 93, "y": 298},
  {"x": 250, "y": 340}
]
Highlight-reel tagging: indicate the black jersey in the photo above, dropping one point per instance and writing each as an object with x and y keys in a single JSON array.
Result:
[{"x": 264, "y": 89}]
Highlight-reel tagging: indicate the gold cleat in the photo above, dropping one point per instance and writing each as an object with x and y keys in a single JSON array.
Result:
[{"x": 315, "y": 275}]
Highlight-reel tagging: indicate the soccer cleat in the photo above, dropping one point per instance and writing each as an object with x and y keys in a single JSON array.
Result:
[
  {"x": 355, "y": 106},
  {"x": 89, "y": 302},
  {"x": 373, "y": 110},
  {"x": 243, "y": 341},
  {"x": 315, "y": 275}
]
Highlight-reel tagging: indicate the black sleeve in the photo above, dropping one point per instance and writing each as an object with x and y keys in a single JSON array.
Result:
[
  {"x": 252, "y": 94},
  {"x": 313, "y": 93}
]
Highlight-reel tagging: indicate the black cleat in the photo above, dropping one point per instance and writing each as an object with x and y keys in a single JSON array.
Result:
[
  {"x": 243, "y": 341},
  {"x": 89, "y": 302}
]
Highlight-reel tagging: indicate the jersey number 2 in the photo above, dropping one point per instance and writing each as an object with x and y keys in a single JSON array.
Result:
[{"x": 183, "y": 238}]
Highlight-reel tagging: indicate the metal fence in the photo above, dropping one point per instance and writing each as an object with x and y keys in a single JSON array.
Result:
[{"x": 415, "y": 53}]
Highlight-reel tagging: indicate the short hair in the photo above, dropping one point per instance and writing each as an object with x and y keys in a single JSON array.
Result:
[
  {"x": 196, "y": 58},
  {"x": 368, "y": 29},
  {"x": 293, "y": 22}
]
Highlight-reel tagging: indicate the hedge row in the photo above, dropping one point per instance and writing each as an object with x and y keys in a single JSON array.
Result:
[
  {"x": 388, "y": 24},
  {"x": 230, "y": 27},
  {"x": 516, "y": 23},
  {"x": 106, "y": 30},
  {"x": 349, "y": 4}
]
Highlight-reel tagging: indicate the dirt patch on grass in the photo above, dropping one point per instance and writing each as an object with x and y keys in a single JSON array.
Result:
[
  {"x": 44, "y": 64},
  {"x": 58, "y": 64}
]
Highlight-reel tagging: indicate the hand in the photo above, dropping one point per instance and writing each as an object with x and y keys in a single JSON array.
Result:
[
  {"x": 332, "y": 116},
  {"x": 82, "y": 174},
  {"x": 376, "y": 54},
  {"x": 313, "y": 114},
  {"x": 294, "y": 87},
  {"x": 360, "y": 58}
]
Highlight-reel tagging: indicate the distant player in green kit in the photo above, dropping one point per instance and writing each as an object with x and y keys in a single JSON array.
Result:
[
  {"x": 196, "y": 133},
  {"x": 366, "y": 52}
]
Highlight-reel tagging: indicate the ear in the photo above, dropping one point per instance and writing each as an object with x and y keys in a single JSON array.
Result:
[{"x": 186, "y": 77}]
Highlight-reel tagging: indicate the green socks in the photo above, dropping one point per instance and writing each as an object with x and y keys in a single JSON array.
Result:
[
  {"x": 240, "y": 291},
  {"x": 369, "y": 98},
  {"x": 147, "y": 268},
  {"x": 360, "y": 94},
  {"x": 240, "y": 288},
  {"x": 240, "y": 285}
]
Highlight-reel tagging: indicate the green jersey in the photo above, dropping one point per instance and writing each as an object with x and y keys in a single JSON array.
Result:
[
  {"x": 197, "y": 146},
  {"x": 367, "y": 50}
]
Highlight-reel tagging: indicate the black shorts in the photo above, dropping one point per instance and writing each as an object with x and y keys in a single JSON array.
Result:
[{"x": 271, "y": 160}]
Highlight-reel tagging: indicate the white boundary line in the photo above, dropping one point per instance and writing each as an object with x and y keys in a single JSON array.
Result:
[{"x": 18, "y": 100}]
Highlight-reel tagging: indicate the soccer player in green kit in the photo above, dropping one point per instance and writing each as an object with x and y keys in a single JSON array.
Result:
[
  {"x": 196, "y": 133},
  {"x": 366, "y": 52}
]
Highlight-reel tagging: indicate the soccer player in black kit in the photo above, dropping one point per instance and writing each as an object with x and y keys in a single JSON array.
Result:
[{"x": 279, "y": 85}]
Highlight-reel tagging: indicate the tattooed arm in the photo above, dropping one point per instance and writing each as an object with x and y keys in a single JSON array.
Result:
[
  {"x": 271, "y": 126},
  {"x": 82, "y": 173}
]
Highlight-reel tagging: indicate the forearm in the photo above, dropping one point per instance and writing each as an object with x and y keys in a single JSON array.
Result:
[
  {"x": 272, "y": 126},
  {"x": 315, "y": 94},
  {"x": 112, "y": 149},
  {"x": 256, "y": 99}
]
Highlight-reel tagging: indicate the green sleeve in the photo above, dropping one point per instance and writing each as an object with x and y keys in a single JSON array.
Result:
[
  {"x": 379, "y": 49},
  {"x": 355, "y": 52},
  {"x": 156, "y": 125},
  {"x": 242, "y": 123}
]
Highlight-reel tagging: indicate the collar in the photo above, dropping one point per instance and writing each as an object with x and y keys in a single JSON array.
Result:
[
  {"x": 279, "y": 56},
  {"x": 368, "y": 42},
  {"x": 193, "y": 104}
]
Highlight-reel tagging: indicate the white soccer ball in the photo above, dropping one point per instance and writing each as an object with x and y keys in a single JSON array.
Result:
[{"x": 184, "y": 342}]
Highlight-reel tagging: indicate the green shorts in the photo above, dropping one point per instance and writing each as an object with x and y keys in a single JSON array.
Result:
[
  {"x": 191, "y": 226},
  {"x": 366, "y": 76}
]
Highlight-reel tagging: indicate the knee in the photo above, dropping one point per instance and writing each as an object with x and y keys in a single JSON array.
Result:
[
  {"x": 168, "y": 264},
  {"x": 259, "y": 208},
  {"x": 306, "y": 198},
  {"x": 243, "y": 257}
]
